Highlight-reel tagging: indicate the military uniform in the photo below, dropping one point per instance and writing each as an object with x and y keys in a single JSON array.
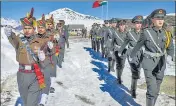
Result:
[
  {"x": 93, "y": 36},
  {"x": 63, "y": 33},
  {"x": 51, "y": 32},
  {"x": 90, "y": 36},
  {"x": 154, "y": 56},
  {"x": 27, "y": 78},
  {"x": 109, "y": 47},
  {"x": 102, "y": 33},
  {"x": 119, "y": 38},
  {"x": 48, "y": 62},
  {"x": 130, "y": 40},
  {"x": 98, "y": 37}
]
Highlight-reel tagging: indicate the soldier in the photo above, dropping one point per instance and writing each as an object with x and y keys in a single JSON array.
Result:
[
  {"x": 90, "y": 36},
  {"x": 102, "y": 33},
  {"x": 48, "y": 63},
  {"x": 109, "y": 46},
  {"x": 93, "y": 36},
  {"x": 119, "y": 37},
  {"x": 98, "y": 37},
  {"x": 52, "y": 33},
  {"x": 84, "y": 32},
  {"x": 156, "y": 46},
  {"x": 63, "y": 33},
  {"x": 29, "y": 56},
  {"x": 130, "y": 40}
]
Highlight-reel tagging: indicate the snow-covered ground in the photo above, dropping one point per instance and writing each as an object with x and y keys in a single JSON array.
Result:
[{"x": 83, "y": 80}]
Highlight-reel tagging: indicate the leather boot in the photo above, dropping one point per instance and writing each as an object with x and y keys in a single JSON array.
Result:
[{"x": 133, "y": 87}]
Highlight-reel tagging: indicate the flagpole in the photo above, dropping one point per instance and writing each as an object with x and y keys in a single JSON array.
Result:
[
  {"x": 107, "y": 11},
  {"x": 101, "y": 12}
]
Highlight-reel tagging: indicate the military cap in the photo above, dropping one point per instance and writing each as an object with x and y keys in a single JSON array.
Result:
[
  {"x": 110, "y": 22},
  {"x": 106, "y": 21},
  {"x": 121, "y": 22},
  {"x": 42, "y": 22},
  {"x": 158, "y": 13},
  {"x": 29, "y": 20},
  {"x": 138, "y": 18},
  {"x": 113, "y": 20},
  {"x": 50, "y": 20},
  {"x": 61, "y": 21}
]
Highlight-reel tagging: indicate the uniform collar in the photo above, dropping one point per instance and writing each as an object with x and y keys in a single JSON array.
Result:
[
  {"x": 30, "y": 38},
  {"x": 137, "y": 32},
  {"x": 157, "y": 30},
  {"x": 121, "y": 32}
]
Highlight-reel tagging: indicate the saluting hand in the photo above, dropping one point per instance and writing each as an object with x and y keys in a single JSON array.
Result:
[{"x": 8, "y": 31}]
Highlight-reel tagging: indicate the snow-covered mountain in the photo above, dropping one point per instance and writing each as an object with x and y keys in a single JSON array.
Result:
[
  {"x": 72, "y": 17},
  {"x": 10, "y": 22},
  {"x": 66, "y": 13}
]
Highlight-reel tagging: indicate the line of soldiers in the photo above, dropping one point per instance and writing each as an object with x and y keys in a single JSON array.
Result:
[
  {"x": 38, "y": 54},
  {"x": 145, "y": 46}
]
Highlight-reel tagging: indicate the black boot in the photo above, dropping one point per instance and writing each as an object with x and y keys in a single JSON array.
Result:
[
  {"x": 119, "y": 81},
  {"x": 118, "y": 72},
  {"x": 133, "y": 87}
]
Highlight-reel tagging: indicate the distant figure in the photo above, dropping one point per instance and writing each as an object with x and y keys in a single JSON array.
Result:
[{"x": 84, "y": 32}]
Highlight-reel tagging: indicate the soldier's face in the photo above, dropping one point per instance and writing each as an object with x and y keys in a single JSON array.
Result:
[
  {"x": 138, "y": 25},
  {"x": 122, "y": 27},
  {"x": 28, "y": 30},
  {"x": 158, "y": 22},
  {"x": 50, "y": 25},
  {"x": 41, "y": 29},
  {"x": 114, "y": 24}
]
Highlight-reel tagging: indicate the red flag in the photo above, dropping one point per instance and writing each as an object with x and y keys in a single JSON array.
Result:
[{"x": 96, "y": 4}]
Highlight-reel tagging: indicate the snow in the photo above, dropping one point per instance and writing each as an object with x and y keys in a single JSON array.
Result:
[
  {"x": 72, "y": 17},
  {"x": 171, "y": 14},
  {"x": 9, "y": 21},
  {"x": 84, "y": 81}
]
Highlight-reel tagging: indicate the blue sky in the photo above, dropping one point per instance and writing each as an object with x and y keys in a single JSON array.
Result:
[{"x": 16, "y": 10}]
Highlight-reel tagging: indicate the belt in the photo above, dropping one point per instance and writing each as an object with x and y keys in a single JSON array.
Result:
[
  {"x": 26, "y": 67},
  {"x": 155, "y": 54},
  {"x": 26, "y": 71}
]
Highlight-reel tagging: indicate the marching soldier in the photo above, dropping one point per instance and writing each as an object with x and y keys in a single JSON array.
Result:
[
  {"x": 63, "y": 33},
  {"x": 93, "y": 36},
  {"x": 52, "y": 33},
  {"x": 109, "y": 46},
  {"x": 157, "y": 45},
  {"x": 98, "y": 37},
  {"x": 103, "y": 31},
  {"x": 130, "y": 40},
  {"x": 48, "y": 63},
  {"x": 119, "y": 36},
  {"x": 29, "y": 56}
]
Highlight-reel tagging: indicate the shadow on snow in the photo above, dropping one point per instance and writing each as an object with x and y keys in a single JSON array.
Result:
[{"x": 119, "y": 93}]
